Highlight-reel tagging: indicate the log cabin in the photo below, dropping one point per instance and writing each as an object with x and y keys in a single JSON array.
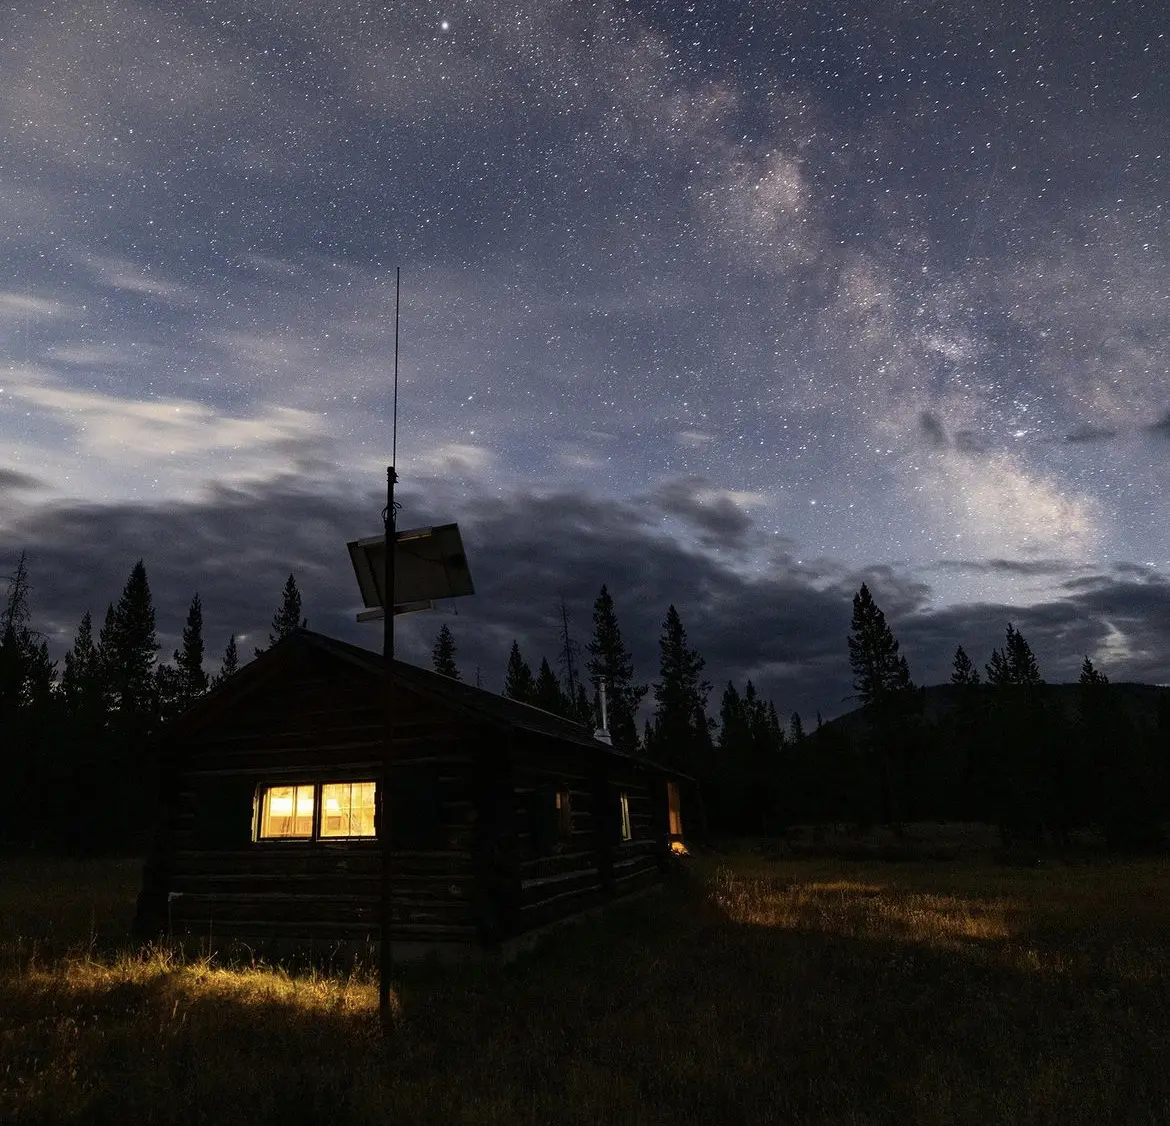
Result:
[{"x": 504, "y": 819}]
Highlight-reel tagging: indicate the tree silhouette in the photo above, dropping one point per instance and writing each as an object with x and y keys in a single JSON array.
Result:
[
  {"x": 231, "y": 661},
  {"x": 288, "y": 617},
  {"x": 26, "y": 673},
  {"x": 443, "y": 653},
  {"x": 1015, "y": 663},
  {"x": 610, "y": 661},
  {"x": 963, "y": 670},
  {"x": 879, "y": 672},
  {"x": 518, "y": 681},
  {"x": 1090, "y": 677},
  {"x": 881, "y": 679},
  {"x": 128, "y": 650},
  {"x": 189, "y": 659},
  {"x": 546, "y": 692},
  {"x": 681, "y": 732},
  {"x": 81, "y": 680}
]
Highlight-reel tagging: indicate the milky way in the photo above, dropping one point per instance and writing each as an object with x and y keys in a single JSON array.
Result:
[{"x": 728, "y": 305}]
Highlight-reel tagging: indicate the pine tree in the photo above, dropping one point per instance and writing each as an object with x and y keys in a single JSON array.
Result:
[
  {"x": 879, "y": 673},
  {"x": 1015, "y": 663},
  {"x": 681, "y": 731},
  {"x": 288, "y": 618},
  {"x": 1021, "y": 663},
  {"x": 443, "y": 653},
  {"x": 189, "y": 659},
  {"x": 610, "y": 661},
  {"x": 231, "y": 661},
  {"x": 26, "y": 673},
  {"x": 518, "y": 681},
  {"x": 81, "y": 682},
  {"x": 1090, "y": 677},
  {"x": 546, "y": 692},
  {"x": 963, "y": 670},
  {"x": 128, "y": 649},
  {"x": 881, "y": 678},
  {"x": 997, "y": 669},
  {"x": 796, "y": 728}
]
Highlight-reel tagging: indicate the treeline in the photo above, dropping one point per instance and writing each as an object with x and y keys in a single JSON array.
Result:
[
  {"x": 1001, "y": 747},
  {"x": 77, "y": 745}
]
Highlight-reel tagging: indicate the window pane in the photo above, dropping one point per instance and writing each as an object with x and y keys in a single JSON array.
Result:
[
  {"x": 347, "y": 809},
  {"x": 286, "y": 811},
  {"x": 564, "y": 816},
  {"x": 627, "y": 829}
]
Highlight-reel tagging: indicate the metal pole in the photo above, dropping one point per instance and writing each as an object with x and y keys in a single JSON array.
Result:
[
  {"x": 385, "y": 956},
  {"x": 385, "y": 953}
]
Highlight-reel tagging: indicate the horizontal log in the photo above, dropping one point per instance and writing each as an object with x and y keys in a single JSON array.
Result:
[
  {"x": 263, "y": 929},
  {"x": 454, "y": 887},
  {"x": 317, "y": 859},
  {"x": 635, "y": 881},
  {"x": 539, "y": 866},
  {"x": 293, "y": 910},
  {"x": 551, "y": 888},
  {"x": 561, "y": 907}
]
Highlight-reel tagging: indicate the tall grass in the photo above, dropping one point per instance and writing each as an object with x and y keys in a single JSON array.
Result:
[{"x": 751, "y": 991}]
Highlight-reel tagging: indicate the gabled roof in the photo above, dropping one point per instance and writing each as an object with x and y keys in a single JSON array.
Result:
[{"x": 474, "y": 704}]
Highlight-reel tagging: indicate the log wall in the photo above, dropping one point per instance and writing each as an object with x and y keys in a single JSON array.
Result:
[
  {"x": 495, "y": 864},
  {"x": 208, "y": 880}
]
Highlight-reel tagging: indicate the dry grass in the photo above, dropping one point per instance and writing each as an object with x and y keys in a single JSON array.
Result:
[{"x": 753, "y": 991}]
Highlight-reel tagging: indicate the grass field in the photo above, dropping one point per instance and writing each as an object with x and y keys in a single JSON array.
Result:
[{"x": 754, "y": 990}]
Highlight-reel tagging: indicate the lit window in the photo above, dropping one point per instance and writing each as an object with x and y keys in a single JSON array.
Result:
[
  {"x": 286, "y": 812},
  {"x": 673, "y": 805},
  {"x": 627, "y": 829},
  {"x": 564, "y": 816},
  {"x": 347, "y": 809}
]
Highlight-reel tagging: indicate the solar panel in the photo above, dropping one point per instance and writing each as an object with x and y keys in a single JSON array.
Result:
[{"x": 429, "y": 563}]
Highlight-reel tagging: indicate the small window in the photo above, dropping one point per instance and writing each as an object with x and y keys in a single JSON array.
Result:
[
  {"x": 627, "y": 830},
  {"x": 673, "y": 806},
  {"x": 286, "y": 813},
  {"x": 564, "y": 817},
  {"x": 347, "y": 809}
]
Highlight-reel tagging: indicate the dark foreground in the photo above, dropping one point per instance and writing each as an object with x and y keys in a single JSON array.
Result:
[{"x": 752, "y": 991}]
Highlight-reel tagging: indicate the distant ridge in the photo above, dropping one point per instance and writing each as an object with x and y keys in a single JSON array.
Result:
[{"x": 1143, "y": 704}]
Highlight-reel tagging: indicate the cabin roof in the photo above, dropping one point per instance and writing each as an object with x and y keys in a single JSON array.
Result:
[{"x": 473, "y": 704}]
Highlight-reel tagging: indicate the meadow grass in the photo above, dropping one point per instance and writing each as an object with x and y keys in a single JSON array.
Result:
[{"x": 750, "y": 991}]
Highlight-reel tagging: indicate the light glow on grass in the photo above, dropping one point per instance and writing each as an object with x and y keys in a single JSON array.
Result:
[{"x": 861, "y": 909}]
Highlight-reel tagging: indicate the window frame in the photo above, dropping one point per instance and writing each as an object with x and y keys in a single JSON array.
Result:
[
  {"x": 625, "y": 823},
  {"x": 315, "y": 837},
  {"x": 673, "y": 810},
  {"x": 564, "y": 814}
]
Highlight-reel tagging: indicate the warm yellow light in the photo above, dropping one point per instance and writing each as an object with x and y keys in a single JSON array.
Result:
[
  {"x": 280, "y": 806},
  {"x": 678, "y": 848},
  {"x": 304, "y": 802}
]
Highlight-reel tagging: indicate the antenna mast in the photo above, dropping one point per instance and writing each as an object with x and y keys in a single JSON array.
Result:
[{"x": 385, "y": 954}]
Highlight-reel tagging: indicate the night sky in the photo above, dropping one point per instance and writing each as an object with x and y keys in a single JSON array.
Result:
[{"x": 732, "y": 306}]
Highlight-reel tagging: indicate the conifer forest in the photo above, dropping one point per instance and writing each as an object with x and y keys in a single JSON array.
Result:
[{"x": 80, "y": 738}]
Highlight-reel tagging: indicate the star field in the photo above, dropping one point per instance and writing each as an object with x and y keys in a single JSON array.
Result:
[{"x": 802, "y": 292}]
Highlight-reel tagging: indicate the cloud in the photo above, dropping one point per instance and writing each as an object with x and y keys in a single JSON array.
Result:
[
  {"x": 1162, "y": 426},
  {"x": 784, "y": 625},
  {"x": 12, "y": 480},
  {"x": 717, "y": 514},
  {"x": 1090, "y": 433},
  {"x": 933, "y": 432},
  {"x": 138, "y": 430}
]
